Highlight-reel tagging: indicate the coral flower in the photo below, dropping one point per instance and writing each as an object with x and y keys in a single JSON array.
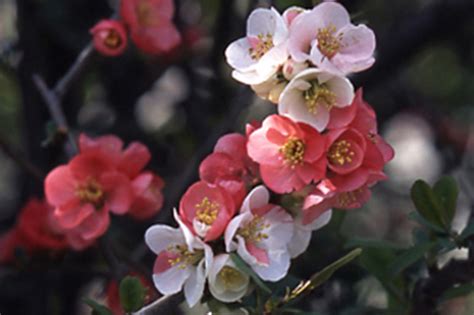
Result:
[
  {"x": 84, "y": 191},
  {"x": 148, "y": 197},
  {"x": 326, "y": 37},
  {"x": 291, "y": 155},
  {"x": 206, "y": 210},
  {"x": 150, "y": 24},
  {"x": 109, "y": 37}
]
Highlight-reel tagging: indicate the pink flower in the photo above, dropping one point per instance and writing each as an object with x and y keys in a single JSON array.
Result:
[
  {"x": 291, "y": 155},
  {"x": 326, "y": 37},
  {"x": 148, "y": 198},
  {"x": 84, "y": 191},
  {"x": 150, "y": 23},
  {"x": 109, "y": 37},
  {"x": 206, "y": 210},
  {"x": 229, "y": 166}
]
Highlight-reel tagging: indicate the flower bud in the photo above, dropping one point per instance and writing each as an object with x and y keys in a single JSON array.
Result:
[
  {"x": 291, "y": 68},
  {"x": 110, "y": 37}
]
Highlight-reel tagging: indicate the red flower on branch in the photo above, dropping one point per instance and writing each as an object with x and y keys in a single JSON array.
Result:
[{"x": 109, "y": 37}]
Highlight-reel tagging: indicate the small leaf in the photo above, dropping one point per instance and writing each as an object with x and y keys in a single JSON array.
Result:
[
  {"x": 427, "y": 203},
  {"x": 468, "y": 231},
  {"x": 415, "y": 216},
  {"x": 408, "y": 258},
  {"x": 132, "y": 294},
  {"x": 242, "y": 266},
  {"x": 97, "y": 309},
  {"x": 447, "y": 191},
  {"x": 319, "y": 278}
]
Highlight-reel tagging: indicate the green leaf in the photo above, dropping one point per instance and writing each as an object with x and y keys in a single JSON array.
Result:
[
  {"x": 322, "y": 276},
  {"x": 447, "y": 191},
  {"x": 458, "y": 291},
  {"x": 427, "y": 203},
  {"x": 371, "y": 243},
  {"x": 468, "y": 231},
  {"x": 97, "y": 309},
  {"x": 242, "y": 266},
  {"x": 132, "y": 294},
  {"x": 415, "y": 216},
  {"x": 408, "y": 258}
]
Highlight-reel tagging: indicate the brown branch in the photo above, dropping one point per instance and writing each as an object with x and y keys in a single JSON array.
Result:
[
  {"x": 24, "y": 163},
  {"x": 164, "y": 305}
]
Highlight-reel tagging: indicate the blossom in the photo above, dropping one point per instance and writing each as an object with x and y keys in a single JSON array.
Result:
[
  {"x": 150, "y": 24},
  {"x": 256, "y": 57},
  {"x": 109, "y": 37},
  {"x": 206, "y": 209},
  {"x": 182, "y": 260},
  {"x": 326, "y": 37},
  {"x": 290, "y": 155},
  {"x": 226, "y": 282},
  {"x": 304, "y": 228},
  {"x": 148, "y": 197},
  {"x": 84, "y": 191},
  {"x": 229, "y": 166},
  {"x": 290, "y": 14},
  {"x": 261, "y": 234},
  {"x": 311, "y": 96}
]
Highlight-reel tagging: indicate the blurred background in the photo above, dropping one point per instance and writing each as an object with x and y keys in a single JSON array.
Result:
[{"x": 179, "y": 104}]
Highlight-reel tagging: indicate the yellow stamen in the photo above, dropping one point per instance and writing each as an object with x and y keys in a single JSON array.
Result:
[
  {"x": 328, "y": 43},
  {"x": 230, "y": 276},
  {"x": 264, "y": 44},
  {"x": 207, "y": 211},
  {"x": 293, "y": 151},
  {"x": 113, "y": 39},
  {"x": 317, "y": 95},
  {"x": 340, "y": 153},
  {"x": 185, "y": 257},
  {"x": 91, "y": 192},
  {"x": 252, "y": 231}
]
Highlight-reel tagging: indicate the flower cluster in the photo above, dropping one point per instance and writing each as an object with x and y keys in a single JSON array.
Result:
[
  {"x": 321, "y": 151},
  {"x": 104, "y": 177},
  {"x": 149, "y": 23}
]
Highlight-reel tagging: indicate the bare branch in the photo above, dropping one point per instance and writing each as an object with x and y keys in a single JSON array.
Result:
[{"x": 25, "y": 164}]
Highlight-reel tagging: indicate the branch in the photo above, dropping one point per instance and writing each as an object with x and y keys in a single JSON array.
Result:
[
  {"x": 25, "y": 164},
  {"x": 164, "y": 305}
]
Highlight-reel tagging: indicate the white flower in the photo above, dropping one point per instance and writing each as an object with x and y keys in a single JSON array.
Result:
[
  {"x": 179, "y": 264},
  {"x": 260, "y": 234},
  {"x": 326, "y": 37},
  {"x": 226, "y": 282},
  {"x": 302, "y": 232},
  {"x": 256, "y": 57},
  {"x": 311, "y": 95}
]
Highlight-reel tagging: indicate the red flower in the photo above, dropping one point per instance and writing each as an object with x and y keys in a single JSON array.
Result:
[
  {"x": 290, "y": 154},
  {"x": 148, "y": 198},
  {"x": 150, "y": 24},
  {"x": 109, "y": 37},
  {"x": 206, "y": 209},
  {"x": 229, "y": 166},
  {"x": 84, "y": 191}
]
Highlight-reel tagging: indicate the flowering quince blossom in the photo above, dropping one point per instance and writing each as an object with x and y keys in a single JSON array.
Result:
[
  {"x": 148, "y": 198},
  {"x": 226, "y": 282},
  {"x": 150, "y": 23},
  {"x": 261, "y": 234},
  {"x": 326, "y": 37},
  {"x": 311, "y": 96},
  {"x": 256, "y": 57},
  {"x": 183, "y": 260},
  {"x": 109, "y": 37},
  {"x": 290, "y": 155},
  {"x": 206, "y": 210}
]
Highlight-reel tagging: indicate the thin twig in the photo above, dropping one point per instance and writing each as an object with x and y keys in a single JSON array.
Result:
[
  {"x": 24, "y": 163},
  {"x": 163, "y": 305}
]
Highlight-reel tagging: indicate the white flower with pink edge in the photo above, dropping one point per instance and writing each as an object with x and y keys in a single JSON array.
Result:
[
  {"x": 260, "y": 234},
  {"x": 226, "y": 282},
  {"x": 326, "y": 37}
]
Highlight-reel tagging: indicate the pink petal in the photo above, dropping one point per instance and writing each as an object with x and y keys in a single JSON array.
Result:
[
  {"x": 118, "y": 190},
  {"x": 281, "y": 179},
  {"x": 95, "y": 225},
  {"x": 72, "y": 214},
  {"x": 134, "y": 159},
  {"x": 60, "y": 186},
  {"x": 260, "y": 254},
  {"x": 234, "y": 144}
]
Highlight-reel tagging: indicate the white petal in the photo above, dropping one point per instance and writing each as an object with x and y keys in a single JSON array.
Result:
[
  {"x": 331, "y": 13},
  {"x": 300, "y": 241},
  {"x": 238, "y": 56},
  {"x": 278, "y": 268},
  {"x": 303, "y": 31},
  {"x": 281, "y": 29},
  {"x": 171, "y": 281},
  {"x": 194, "y": 286},
  {"x": 265, "y": 21},
  {"x": 244, "y": 253},
  {"x": 343, "y": 89},
  {"x": 269, "y": 64},
  {"x": 358, "y": 42},
  {"x": 200, "y": 228},
  {"x": 321, "y": 221},
  {"x": 159, "y": 237},
  {"x": 232, "y": 228},
  {"x": 280, "y": 229},
  {"x": 250, "y": 78},
  {"x": 188, "y": 235},
  {"x": 258, "y": 197},
  {"x": 216, "y": 285}
]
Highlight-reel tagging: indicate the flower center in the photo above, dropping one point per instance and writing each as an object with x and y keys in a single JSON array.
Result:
[
  {"x": 113, "y": 39},
  {"x": 184, "y": 257},
  {"x": 318, "y": 94},
  {"x": 91, "y": 192},
  {"x": 293, "y": 151},
  {"x": 328, "y": 43},
  {"x": 260, "y": 45},
  {"x": 253, "y": 230},
  {"x": 230, "y": 277},
  {"x": 143, "y": 11},
  {"x": 207, "y": 211},
  {"x": 340, "y": 153}
]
